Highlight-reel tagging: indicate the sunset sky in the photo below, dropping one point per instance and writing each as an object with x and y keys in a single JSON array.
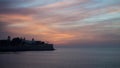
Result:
[{"x": 62, "y": 22}]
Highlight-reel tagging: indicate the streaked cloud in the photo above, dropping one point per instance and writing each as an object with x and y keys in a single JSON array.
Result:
[{"x": 62, "y": 21}]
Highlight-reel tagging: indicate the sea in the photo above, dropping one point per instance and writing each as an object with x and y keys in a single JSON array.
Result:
[{"x": 63, "y": 57}]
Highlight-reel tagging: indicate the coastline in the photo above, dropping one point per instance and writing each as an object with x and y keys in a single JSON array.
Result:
[
  {"x": 27, "y": 48},
  {"x": 21, "y": 44}
]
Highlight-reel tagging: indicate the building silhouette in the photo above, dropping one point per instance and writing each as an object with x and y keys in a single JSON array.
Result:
[{"x": 21, "y": 44}]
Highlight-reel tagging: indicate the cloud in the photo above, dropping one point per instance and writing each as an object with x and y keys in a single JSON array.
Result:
[
  {"x": 4, "y": 32},
  {"x": 61, "y": 21}
]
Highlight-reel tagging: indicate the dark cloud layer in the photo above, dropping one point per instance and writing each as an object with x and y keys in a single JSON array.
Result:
[
  {"x": 12, "y": 3},
  {"x": 20, "y": 11},
  {"x": 9, "y": 7}
]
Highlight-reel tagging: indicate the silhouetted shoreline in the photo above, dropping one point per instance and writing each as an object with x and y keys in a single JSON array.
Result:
[{"x": 21, "y": 44}]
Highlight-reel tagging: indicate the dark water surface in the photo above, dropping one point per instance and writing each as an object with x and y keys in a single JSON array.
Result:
[{"x": 63, "y": 58}]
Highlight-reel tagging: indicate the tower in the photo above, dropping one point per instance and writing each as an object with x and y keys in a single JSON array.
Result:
[
  {"x": 33, "y": 39},
  {"x": 9, "y": 38}
]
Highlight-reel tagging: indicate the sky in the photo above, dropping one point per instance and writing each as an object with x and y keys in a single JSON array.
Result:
[{"x": 62, "y": 22}]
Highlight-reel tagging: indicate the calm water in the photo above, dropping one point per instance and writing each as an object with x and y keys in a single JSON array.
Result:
[{"x": 63, "y": 58}]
